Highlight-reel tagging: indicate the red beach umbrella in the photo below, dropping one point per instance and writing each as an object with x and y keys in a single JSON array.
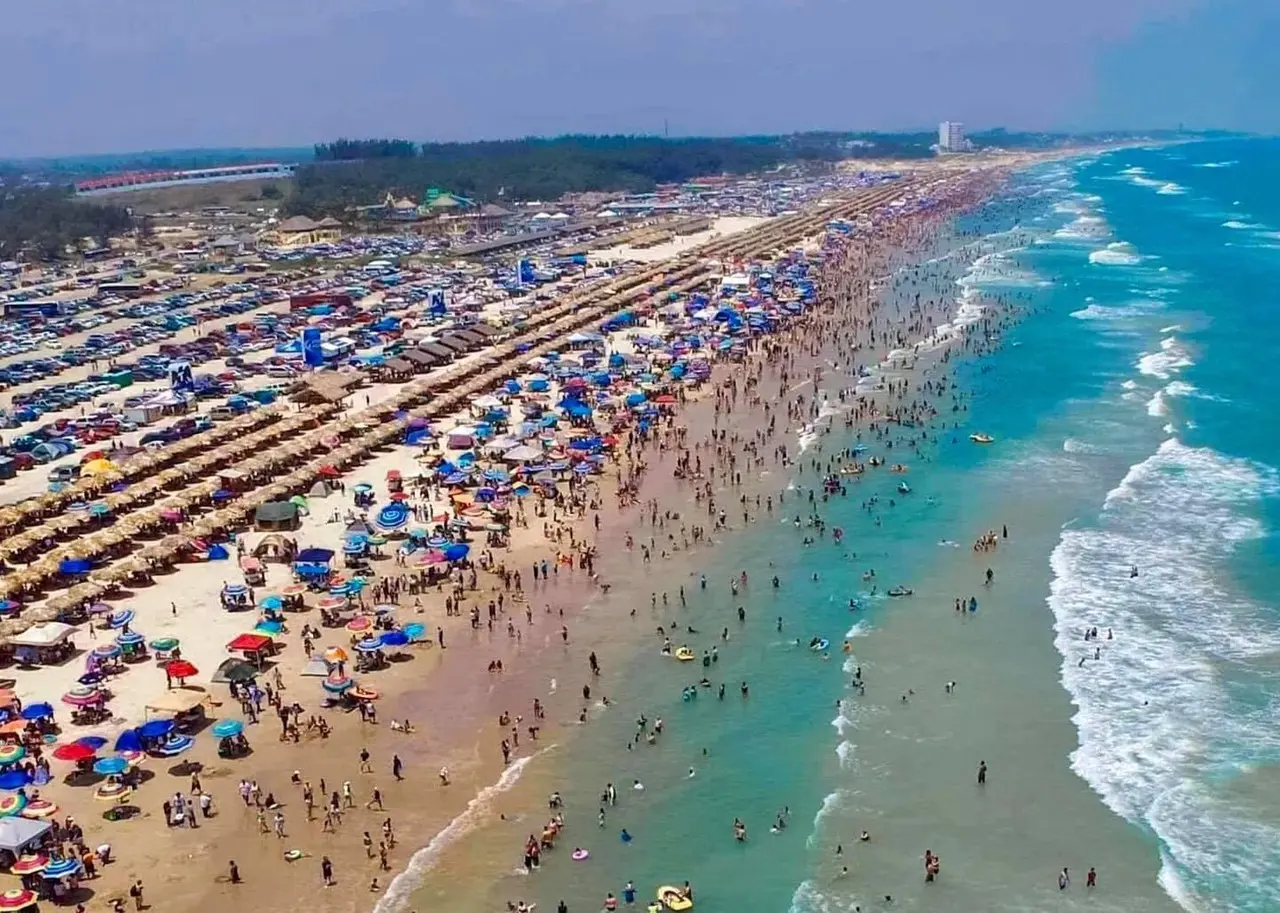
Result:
[
  {"x": 73, "y": 751},
  {"x": 17, "y": 899},
  {"x": 30, "y": 864},
  {"x": 180, "y": 668}
]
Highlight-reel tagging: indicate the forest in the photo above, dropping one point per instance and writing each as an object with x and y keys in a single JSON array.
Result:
[{"x": 46, "y": 220}]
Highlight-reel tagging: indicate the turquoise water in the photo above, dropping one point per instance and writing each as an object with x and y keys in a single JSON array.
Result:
[{"x": 1129, "y": 403}]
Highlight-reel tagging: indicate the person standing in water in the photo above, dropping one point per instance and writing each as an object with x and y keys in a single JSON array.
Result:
[{"x": 982, "y": 773}]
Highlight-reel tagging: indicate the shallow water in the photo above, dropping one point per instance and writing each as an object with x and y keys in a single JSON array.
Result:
[{"x": 1126, "y": 416}]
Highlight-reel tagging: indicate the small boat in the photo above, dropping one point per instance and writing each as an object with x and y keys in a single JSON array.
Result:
[
  {"x": 684, "y": 654},
  {"x": 900, "y": 591},
  {"x": 673, "y": 898},
  {"x": 981, "y": 438}
]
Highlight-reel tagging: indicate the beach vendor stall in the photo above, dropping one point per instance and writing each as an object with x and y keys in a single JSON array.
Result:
[
  {"x": 19, "y": 836},
  {"x": 311, "y": 565},
  {"x": 257, "y": 648},
  {"x": 185, "y": 706},
  {"x": 47, "y": 644}
]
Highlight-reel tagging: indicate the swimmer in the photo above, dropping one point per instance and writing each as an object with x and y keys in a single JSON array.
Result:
[
  {"x": 638, "y": 786},
  {"x": 692, "y": 773}
]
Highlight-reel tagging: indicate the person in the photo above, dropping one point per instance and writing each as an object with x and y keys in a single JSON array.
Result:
[
  {"x": 1091, "y": 879},
  {"x": 1064, "y": 879},
  {"x": 629, "y": 893},
  {"x": 136, "y": 893},
  {"x": 982, "y": 773},
  {"x": 234, "y": 872},
  {"x": 326, "y": 871}
]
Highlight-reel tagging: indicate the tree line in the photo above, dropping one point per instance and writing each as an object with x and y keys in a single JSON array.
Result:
[
  {"x": 46, "y": 220},
  {"x": 528, "y": 169}
]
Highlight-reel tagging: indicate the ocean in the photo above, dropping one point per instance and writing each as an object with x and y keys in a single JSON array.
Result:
[{"x": 1133, "y": 469}]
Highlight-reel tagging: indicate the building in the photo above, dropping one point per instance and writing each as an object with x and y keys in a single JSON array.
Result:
[
  {"x": 299, "y": 231},
  {"x": 951, "y": 137}
]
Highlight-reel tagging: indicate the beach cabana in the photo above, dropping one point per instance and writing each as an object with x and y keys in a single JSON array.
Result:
[
  {"x": 44, "y": 644},
  {"x": 256, "y": 647},
  {"x": 18, "y": 834}
]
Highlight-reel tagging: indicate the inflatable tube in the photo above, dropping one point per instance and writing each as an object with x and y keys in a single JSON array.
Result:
[
  {"x": 821, "y": 645},
  {"x": 684, "y": 654},
  {"x": 580, "y": 854},
  {"x": 674, "y": 899}
]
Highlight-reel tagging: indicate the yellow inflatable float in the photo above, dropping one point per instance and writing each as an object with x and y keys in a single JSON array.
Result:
[
  {"x": 684, "y": 654},
  {"x": 673, "y": 898}
]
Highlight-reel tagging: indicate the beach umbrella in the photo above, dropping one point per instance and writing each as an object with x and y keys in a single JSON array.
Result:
[
  {"x": 12, "y": 804},
  {"x": 273, "y": 603},
  {"x": 164, "y": 644},
  {"x": 154, "y": 729},
  {"x": 93, "y": 741},
  {"x": 456, "y": 551},
  {"x": 18, "y": 898},
  {"x": 73, "y": 751},
  {"x": 28, "y": 864},
  {"x": 335, "y": 655},
  {"x": 174, "y": 745},
  {"x": 110, "y": 767},
  {"x": 37, "y": 711},
  {"x": 394, "y": 639},
  {"x": 180, "y": 669},
  {"x": 359, "y": 623},
  {"x": 11, "y": 754},
  {"x": 332, "y": 602},
  {"x": 61, "y": 868},
  {"x": 415, "y": 631},
  {"x": 235, "y": 589},
  {"x": 338, "y": 684},
  {"x": 384, "y": 608},
  {"x": 84, "y": 696},
  {"x": 294, "y": 589},
  {"x": 129, "y": 740},
  {"x": 39, "y": 808},
  {"x": 226, "y": 729},
  {"x": 14, "y": 779},
  {"x": 132, "y": 758},
  {"x": 130, "y": 639},
  {"x": 369, "y": 645}
]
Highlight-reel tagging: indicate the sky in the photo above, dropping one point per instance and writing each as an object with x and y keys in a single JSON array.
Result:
[{"x": 93, "y": 77}]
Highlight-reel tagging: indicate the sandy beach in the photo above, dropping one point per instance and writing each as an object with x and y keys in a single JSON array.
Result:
[{"x": 431, "y": 786}]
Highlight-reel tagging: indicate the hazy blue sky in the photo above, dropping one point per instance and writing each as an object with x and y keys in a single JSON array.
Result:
[{"x": 91, "y": 76}]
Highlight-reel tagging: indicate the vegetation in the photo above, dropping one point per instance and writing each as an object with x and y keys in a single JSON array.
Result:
[
  {"x": 45, "y": 220},
  {"x": 346, "y": 150},
  {"x": 534, "y": 168}
]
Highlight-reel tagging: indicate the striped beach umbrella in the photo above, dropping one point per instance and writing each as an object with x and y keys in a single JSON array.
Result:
[
  {"x": 39, "y": 808},
  {"x": 338, "y": 684},
  {"x": 17, "y": 899},
  {"x": 29, "y": 864},
  {"x": 11, "y": 754},
  {"x": 12, "y": 804},
  {"x": 110, "y": 767},
  {"x": 61, "y": 868}
]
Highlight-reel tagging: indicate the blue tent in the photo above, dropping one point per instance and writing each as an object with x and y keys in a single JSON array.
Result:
[
  {"x": 128, "y": 741},
  {"x": 314, "y": 556}
]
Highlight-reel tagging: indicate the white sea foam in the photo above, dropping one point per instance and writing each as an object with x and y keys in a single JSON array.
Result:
[
  {"x": 1156, "y": 715},
  {"x": 1073, "y": 445},
  {"x": 1157, "y": 407},
  {"x": 1169, "y": 189},
  {"x": 405, "y": 883},
  {"x": 1226, "y": 164},
  {"x": 1241, "y": 226},
  {"x": 1172, "y": 357},
  {"x": 1113, "y": 312},
  {"x": 1117, "y": 253}
]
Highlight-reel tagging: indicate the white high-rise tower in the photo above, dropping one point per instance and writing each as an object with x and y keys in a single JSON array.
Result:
[{"x": 951, "y": 137}]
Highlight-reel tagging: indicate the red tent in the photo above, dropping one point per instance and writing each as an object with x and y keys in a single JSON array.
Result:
[{"x": 251, "y": 643}]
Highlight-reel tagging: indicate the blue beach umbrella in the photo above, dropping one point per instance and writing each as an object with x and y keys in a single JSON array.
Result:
[
  {"x": 110, "y": 767},
  {"x": 128, "y": 741},
  {"x": 129, "y": 639},
  {"x": 60, "y": 868},
  {"x": 272, "y": 603},
  {"x": 369, "y": 645},
  {"x": 457, "y": 551},
  {"x": 120, "y": 619},
  {"x": 37, "y": 711},
  {"x": 93, "y": 742},
  {"x": 394, "y": 639},
  {"x": 226, "y": 729},
  {"x": 155, "y": 729},
  {"x": 14, "y": 779}
]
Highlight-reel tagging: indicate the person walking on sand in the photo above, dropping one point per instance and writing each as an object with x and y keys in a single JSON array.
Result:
[{"x": 326, "y": 871}]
